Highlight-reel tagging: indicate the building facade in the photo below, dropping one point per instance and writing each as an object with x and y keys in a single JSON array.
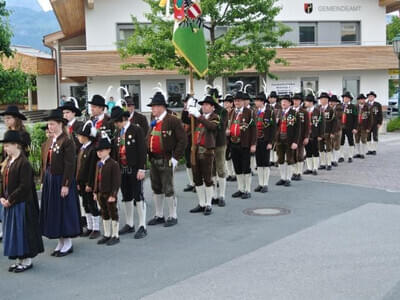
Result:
[{"x": 338, "y": 45}]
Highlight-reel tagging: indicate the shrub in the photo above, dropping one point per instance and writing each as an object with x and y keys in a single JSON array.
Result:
[
  {"x": 38, "y": 137},
  {"x": 393, "y": 124}
]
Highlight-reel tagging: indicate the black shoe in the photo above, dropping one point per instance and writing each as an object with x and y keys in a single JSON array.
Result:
[
  {"x": 341, "y": 160},
  {"x": 322, "y": 168},
  {"x": 335, "y": 164},
  {"x": 207, "y": 210},
  {"x": 12, "y": 267},
  {"x": 238, "y": 194},
  {"x": 369, "y": 153},
  {"x": 197, "y": 209},
  {"x": 126, "y": 229},
  {"x": 22, "y": 268},
  {"x": 141, "y": 233},
  {"x": 350, "y": 160},
  {"x": 373, "y": 153},
  {"x": 85, "y": 232},
  {"x": 357, "y": 156},
  {"x": 171, "y": 222},
  {"x": 111, "y": 242},
  {"x": 298, "y": 177},
  {"x": 189, "y": 188},
  {"x": 315, "y": 173},
  {"x": 281, "y": 182},
  {"x": 55, "y": 253},
  {"x": 287, "y": 183},
  {"x": 258, "y": 189},
  {"x": 329, "y": 168},
  {"x": 362, "y": 156},
  {"x": 229, "y": 178},
  {"x": 264, "y": 189},
  {"x": 234, "y": 178},
  {"x": 246, "y": 195},
  {"x": 276, "y": 165},
  {"x": 103, "y": 240},
  {"x": 69, "y": 251},
  {"x": 94, "y": 235},
  {"x": 307, "y": 172},
  {"x": 156, "y": 220},
  {"x": 294, "y": 177},
  {"x": 221, "y": 202},
  {"x": 214, "y": 201}
]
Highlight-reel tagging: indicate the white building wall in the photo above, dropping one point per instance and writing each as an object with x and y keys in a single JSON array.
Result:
[
  {"x": 368, "y": 12},
  {"x": 46, "y": 92}
]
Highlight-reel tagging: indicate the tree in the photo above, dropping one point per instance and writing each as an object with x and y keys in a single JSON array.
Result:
[
  {"x": 251, "y": 36},
  {"x": 5, "y": 31},
  {"x": 14, "y": 86}
]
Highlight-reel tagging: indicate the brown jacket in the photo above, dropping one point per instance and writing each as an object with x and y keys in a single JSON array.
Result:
[
  {"x": 269, "y": 124},
  {"x": 20, "y": 181},
  {"x": 222, "y": 124},
  {"x": 86, "y": 165},
  {"x": 173, "y": 137},
  {"x": 209, "y": 130},
  {"x": 74, "y": 135},
  {"x": 328, "y": 120},
  {"x": 304, "y": 128},
  {"x": 110, "y": 178},
  {"x": 248, "y": 133},
  {"x": 63, "y": 158},
  {"x": 338, "y": 117},
  {"x": 365, "y": 115},
  {"x": 293, "y": 132},
  {"x": 135, "y": 145}
]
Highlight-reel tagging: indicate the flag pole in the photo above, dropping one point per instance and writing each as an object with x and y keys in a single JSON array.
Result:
[{"x": 192, "y": 123}]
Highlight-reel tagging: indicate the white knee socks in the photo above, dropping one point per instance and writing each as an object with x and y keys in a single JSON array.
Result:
[
  {"x": 96, "y": 223},
  {"x": 267, "y": 171},
  {"x": 107, "y": 228},
  {"x": 282, "y": 171},
  {"x": 315, "y": 163},
  {"x": 240, "y": 181},
  {"x": 221, "y": 186},
  {"x": 129, "y": 213},
  {"x": 159, "y": 204},
  {"x": 115, "y": 229},
  {"x": 201, "y": 195},
  {"x": 89, "y": 221},
  {"x": 172, "y": 203},
  {"x": 247, "y": 182},
  {"x": 208, "y": 195},
  {"x": 260, "y": 171},
  {"x": 190, "y": 176},
  {"x": 141, "y": 208}
]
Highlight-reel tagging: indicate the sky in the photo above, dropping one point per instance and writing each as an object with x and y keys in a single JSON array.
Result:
[{"x": 45, "y": 4}]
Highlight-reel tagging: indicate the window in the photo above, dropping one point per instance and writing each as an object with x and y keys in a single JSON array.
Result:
[
  {"x": 124, "y": 31},
  {"x": 350, "y": 32},
  {"x": 79, "y": 92},
  {"x": 133, "y": 87},
  {"x": 307, "y": 33},
  {"x": 352, "y": 85},
  {"x": 308, "y": 83},
  {"x": 176, "y": 90},
  {"x": 232, "y": 87}
]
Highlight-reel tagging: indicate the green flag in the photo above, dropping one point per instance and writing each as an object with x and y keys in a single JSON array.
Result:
[{"x": 190, "y": 43}]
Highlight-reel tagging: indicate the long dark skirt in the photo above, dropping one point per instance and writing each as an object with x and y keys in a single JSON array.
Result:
[{"x": 59, "y": 217}]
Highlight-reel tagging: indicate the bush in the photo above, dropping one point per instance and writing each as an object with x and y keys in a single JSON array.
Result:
[
  {"x": 393, "y": 125},
  {"x": 38, "y": 137}
]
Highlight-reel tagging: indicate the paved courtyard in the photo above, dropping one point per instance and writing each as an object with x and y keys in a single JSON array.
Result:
[{"x": 340, "y": 241}]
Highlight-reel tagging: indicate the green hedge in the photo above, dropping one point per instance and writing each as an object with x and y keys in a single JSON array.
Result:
[
  {"x": 393, "y": 124},
  {"x": 38, "y": 137}
]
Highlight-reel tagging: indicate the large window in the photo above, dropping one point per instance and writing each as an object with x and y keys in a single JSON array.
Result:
[
  {"x": 176, "y": 89},
  {"x": 307, "y": 33},
  {"x": 352, "y": 85},
  {"x": 133, "y": 87},
  {"x": 350, "y": 32},
  {"x": 79, "y": 92},
  {"x": 232, "y": 87}
]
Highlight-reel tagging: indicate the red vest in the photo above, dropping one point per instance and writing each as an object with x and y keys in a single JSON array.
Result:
[
  {"x": 122, "y": 152},
  {"x": 283, "y": 124},
  {"x": 155, "y": 145},
  {"x": 199, "y": 136},
  {"x": 235, "y": 126},
  {"x": 260, "y": 124}
]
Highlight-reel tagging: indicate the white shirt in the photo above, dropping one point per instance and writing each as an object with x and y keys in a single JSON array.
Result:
[
  {"x": 162, "y": 116},
  {"x": 70, "y": 123},
  {"x": 103, "y": 161},
  {"x": 238, "y": 110},
  {"x": 207, "y": 115},
  {"x": 261, "y": 110},
  {"x": 127, "y": 126},
  {"x": 84, "y": 146},
  {"x": 311, "y": 109}
]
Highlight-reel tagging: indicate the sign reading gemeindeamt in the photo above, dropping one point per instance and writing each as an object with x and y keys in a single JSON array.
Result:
[{"x": 339, "y": 8}]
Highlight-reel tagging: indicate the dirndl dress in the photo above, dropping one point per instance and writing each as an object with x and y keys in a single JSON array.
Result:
[{"x": 59, "y": 217}]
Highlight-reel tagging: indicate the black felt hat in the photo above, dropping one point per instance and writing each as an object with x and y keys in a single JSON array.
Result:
[
  {"x": 56, "y": 115},
  {"x": 286, "y": 97},
  {"x": 88, "y": 130},
  {"x": 334, "y": 98},
  {"x": 118, "y": 113},
  {"x": 13, "y": 110},
  {"x": 70, "y": 105},
  {"x": 208, "y": 99},
  {"x": 371, "y": 93},
  {"x": 273, "y": 94},
  {"x": 261, "y": 97},
  {"x": 98, "y": 100},
  {"x": 310, "y": 98},
  {"x": 158, "y": 99},
  {"x": 12, "y": 136},
  {"x": 228, "y": 98},
  {"x": 298, "y": 96},
  {"x": 104, "y": 143},
  {"x": 361, "y": 96},
  {"x": 324, "y": 95},
  {"x": 239, "y": 95},
  {"x": 348, "y": 95}
]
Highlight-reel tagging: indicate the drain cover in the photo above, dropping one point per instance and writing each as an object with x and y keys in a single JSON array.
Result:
[{"x": 266, "y": 211}]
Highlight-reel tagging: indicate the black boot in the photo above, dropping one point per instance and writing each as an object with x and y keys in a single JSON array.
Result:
[
  {"x": 141, "y": 233},
  {"x": 197, "y": 209},
  {"x": 189, "y": 188},
  {"x": 221, "y": 202},
  {"x": 258, "y": 189},
  {"x": 237, "y": 194}
]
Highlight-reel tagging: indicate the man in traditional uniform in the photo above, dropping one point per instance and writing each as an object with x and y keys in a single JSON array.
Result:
[
  {"x": 328, "y": 125},
  {"x": 187, "y": 126},
  {"x": 206, "y": 126},
  {"x": 377, "y": 115},
  {"x": 334, "y": 102},
  {"x": 287, "y": 137},
  {"x": 98, "y": 116},
  {"x": 135, "y": 117},
  {"x": 304, "y": 132},
  {"x": 315, "y": 136},
  {"x": 349, "y": 126},
  {"x": 167, "y": 141},
  {"x": 242, "y": 133},
  {"x": 365, "y": 122},
  {"x": 276, "y": 106},
  {"x": 266, "y": 126},
  {"x": 131, "y": 156},
  {"x": 228, "y": 105}
]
